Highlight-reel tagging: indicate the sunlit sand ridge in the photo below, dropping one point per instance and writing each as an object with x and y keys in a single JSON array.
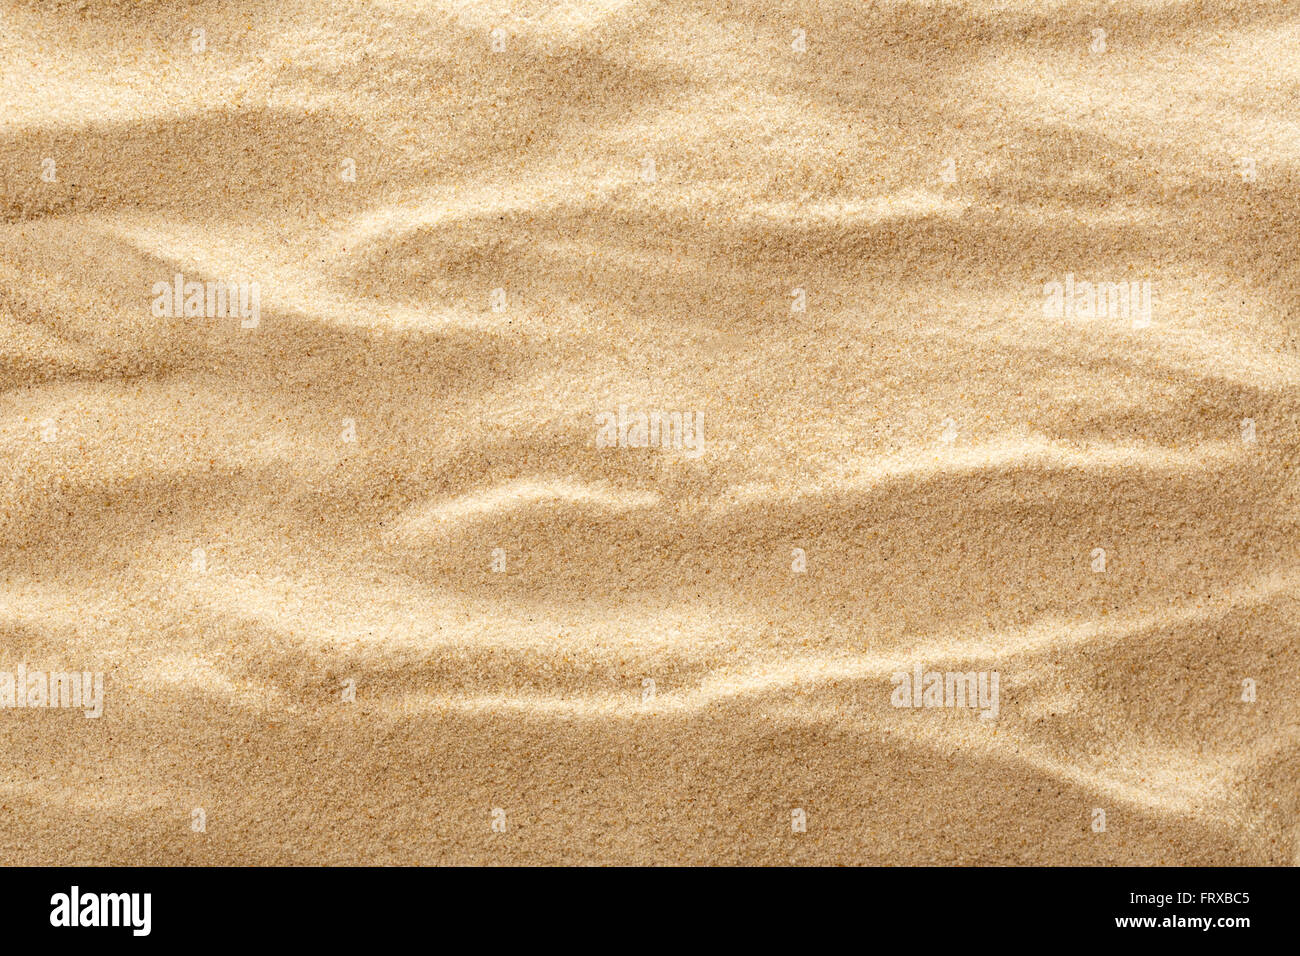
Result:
[{"x": 362, "y": 565}]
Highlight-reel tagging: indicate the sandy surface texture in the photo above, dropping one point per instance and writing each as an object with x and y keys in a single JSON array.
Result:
[{"x": 625, "y": 432}]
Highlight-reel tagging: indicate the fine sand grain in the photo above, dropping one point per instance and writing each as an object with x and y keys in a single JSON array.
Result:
[{"x": 365, "y": 583}]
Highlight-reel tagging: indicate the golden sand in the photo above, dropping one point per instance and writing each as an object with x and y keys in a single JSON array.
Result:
[{"x": 366, "y": 582}]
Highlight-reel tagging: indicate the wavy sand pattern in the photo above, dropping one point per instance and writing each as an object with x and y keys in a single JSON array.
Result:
[{"x": 328, "y": 561}]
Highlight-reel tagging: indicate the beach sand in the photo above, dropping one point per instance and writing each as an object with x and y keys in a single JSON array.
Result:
[{"x": 362, "y": 577}]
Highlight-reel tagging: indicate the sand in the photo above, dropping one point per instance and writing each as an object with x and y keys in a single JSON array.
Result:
[{"x": 377, "y": 575}]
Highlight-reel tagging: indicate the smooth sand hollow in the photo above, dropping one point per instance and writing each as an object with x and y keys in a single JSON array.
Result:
[{"x": 378, "y": 566}]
